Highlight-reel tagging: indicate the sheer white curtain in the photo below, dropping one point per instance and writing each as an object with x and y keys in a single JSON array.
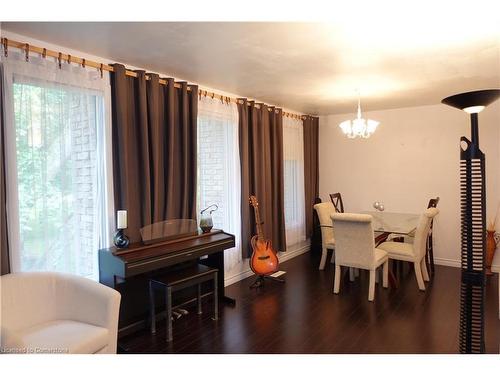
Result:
[
  {"x": 58, "y": 165},
  {"x": 293, "y": 161},
  {"x": 219, "y": 178}
]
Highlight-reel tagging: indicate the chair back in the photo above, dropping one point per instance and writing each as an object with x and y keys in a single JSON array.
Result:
[
  {"x": 354, "y": 240},
  {"x": 336, "y": 199},
  {"x": 424, "y": 225},
  {"x": 28, "y": 299},
  {"x": 324, "y": 211},
  {"x": 433, "y": 202}
]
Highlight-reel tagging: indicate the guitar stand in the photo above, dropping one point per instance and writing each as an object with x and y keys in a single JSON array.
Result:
[{"x": 260, "y": 281}]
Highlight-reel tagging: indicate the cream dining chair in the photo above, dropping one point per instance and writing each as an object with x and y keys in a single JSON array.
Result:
[
  {"x": 414, "y": 252},
  {"x": 355, "y": 247},
  {"x": 324, "y": 211}
]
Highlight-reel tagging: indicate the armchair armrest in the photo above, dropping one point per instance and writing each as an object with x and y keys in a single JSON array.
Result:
[
  {"x": 86, "y": 300},
  {"x": 89, "y": 302}
]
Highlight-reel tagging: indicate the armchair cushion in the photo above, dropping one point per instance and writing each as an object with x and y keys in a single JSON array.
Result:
[{"x": 64, "y": 336}]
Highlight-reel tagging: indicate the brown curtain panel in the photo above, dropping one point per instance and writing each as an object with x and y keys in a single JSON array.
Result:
[
  {"x": 311, "y": 168},
  {"x": 4, "y": 244},
  {"x": 261, "y": 158},
  {"x": 154, "y": 149}
]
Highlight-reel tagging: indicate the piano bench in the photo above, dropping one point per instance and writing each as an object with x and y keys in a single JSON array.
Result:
[{"x": 177, "y": 280}]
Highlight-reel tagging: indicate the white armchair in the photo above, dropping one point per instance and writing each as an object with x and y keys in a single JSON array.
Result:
[
  {"x": 324, "y": 211},
  {"x": 414, "y": 252},
  {"x": 48, "y": 312},
  {"x": 355, "y": 247}
]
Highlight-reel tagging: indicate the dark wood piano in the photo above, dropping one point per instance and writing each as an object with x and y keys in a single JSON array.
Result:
[{"x": 128, "y": 270}]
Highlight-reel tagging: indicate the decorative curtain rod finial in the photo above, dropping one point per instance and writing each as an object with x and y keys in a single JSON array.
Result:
[
  {"x": 27, "y": 52},
  {"x": 5, "y": 47}
]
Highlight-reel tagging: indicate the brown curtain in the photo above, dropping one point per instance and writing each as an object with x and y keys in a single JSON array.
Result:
[
  {"x": 154, "y": 149},
  {"x": 311, "y": 168},
  {"x": 261, "y": 158},
  {"x": 4, "y": 244}
]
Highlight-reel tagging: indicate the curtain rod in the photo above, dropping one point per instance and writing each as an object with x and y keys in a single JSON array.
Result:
[{"x": 64, "y": 57}]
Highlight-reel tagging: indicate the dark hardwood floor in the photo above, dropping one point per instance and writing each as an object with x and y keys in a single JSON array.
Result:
[{"x": 303, "y": 316}]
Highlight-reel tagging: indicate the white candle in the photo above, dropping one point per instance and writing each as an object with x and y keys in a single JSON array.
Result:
[{"x": 121, "y": 219}]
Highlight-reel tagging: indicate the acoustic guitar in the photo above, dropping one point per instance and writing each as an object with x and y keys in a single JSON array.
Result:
[{"x": 264, "y": 260}]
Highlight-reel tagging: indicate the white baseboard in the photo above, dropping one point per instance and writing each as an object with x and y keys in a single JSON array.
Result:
[
  {"x": 242, "y": 271},
  {"x": 447, "y": 262},
  {"x": 457, "y": 264}
]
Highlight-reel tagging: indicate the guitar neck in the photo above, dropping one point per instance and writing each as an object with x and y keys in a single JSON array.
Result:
[{"x": 258, "y": 223}]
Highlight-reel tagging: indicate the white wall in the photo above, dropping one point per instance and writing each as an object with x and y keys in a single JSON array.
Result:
[{"x": 413, "y": 156}]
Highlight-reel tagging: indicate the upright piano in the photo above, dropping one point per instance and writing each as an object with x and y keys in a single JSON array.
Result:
[{"x": 128, "y": 270}]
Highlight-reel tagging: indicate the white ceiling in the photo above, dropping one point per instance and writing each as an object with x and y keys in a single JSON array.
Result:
[{"x": 314, "y": 68}]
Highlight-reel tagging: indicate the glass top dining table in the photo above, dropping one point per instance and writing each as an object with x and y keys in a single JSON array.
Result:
[{"x": 393, "y": 222}]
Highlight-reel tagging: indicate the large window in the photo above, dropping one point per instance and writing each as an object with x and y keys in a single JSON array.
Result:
[
  {"x": 219, "y": 168},
  {"x": 293, "y": 155},
  {"x": 58, "y": 198}
]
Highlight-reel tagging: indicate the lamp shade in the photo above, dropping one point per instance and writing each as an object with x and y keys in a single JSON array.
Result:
[{"x": 478, "y": 99}]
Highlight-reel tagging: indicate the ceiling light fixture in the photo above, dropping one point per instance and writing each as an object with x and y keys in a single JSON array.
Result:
[{"x": 359, "y": 127}]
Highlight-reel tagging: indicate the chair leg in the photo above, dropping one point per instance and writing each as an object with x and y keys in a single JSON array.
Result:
[
  {"x": 431, "y": 256},
  {"x": 351, "y": 274},
  {"x": 418, "y": 275},
  {"x": 385, "y": 274},
  {"x": 336, "y": 282},
  {"x": 169, "y": 314},
  {"x": 198, "y": 297},
  {"x": 152, "y": 309},
  {"x": 322, "y": 263},
  {"x": 371, "y": 289},
  {"x": 425, "y": 274},
  {"x": 216, "y": 298},
  {"x": 426, "y": 260}
]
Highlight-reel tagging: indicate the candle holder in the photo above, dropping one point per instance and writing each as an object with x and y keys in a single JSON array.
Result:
[{"x": 121, "y": 240}]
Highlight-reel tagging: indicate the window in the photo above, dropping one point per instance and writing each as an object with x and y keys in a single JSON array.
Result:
[
  {"x": 219, "y": 169},
  {"x": 293, "y": 159},
  {"x": 57, "y": 182}
]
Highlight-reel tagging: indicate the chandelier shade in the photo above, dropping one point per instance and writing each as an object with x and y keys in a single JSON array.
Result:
[{"x": 359, "y": 127}]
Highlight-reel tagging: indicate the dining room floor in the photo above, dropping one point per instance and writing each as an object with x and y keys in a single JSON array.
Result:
[{"x": 304, "y": 316}]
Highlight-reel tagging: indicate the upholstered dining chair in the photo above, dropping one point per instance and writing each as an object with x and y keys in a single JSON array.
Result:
[
  {"x": 324, "y": 211},
  {"x": 49, "y": 312},
  {"x": 355, "y": 247},
  {"x": 414, "y": 252}
]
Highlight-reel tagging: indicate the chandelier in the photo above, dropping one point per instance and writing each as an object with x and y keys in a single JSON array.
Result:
[{"x": 359, "y": 127}]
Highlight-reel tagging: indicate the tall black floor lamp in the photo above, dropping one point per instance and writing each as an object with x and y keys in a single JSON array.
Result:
[{"x": 473, "y": 218}]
